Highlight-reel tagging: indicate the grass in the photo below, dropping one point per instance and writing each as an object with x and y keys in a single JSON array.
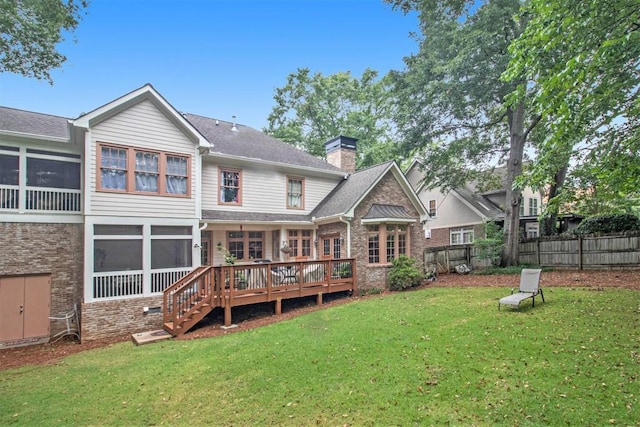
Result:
[{"x": 430, "y": 357}]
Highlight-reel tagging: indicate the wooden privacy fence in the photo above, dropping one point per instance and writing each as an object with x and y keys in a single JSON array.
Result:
[
  {"x": 447, "y": 258},
  {"x": 611, "y": 251}
]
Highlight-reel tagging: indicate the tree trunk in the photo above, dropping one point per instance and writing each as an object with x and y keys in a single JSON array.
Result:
[
  {"x": 549, "y": 227},
  {"x": 514, "y": 169}
]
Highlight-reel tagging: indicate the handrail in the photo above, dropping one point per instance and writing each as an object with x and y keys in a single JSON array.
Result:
[
  {"x": 171, "y": 295},
  {"x": 226, "y": 286}
]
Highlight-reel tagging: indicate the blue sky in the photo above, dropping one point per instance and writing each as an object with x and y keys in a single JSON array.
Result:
[{"x": 215, "y": 58}]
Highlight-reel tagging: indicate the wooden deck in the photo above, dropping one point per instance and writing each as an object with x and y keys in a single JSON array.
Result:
[{"x": 190, "y": 299}]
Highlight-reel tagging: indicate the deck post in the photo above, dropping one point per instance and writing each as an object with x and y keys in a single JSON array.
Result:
[
  {"x": 227, "y": 311},
  {"x": 278, "y": 306},
  {"x": 319, "y": 299}
]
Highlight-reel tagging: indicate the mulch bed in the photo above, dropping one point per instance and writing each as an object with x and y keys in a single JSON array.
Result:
[{"x": 254, "y": 316}]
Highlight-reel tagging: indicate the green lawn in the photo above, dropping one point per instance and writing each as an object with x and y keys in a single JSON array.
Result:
[{"x": 430, "y": 357}]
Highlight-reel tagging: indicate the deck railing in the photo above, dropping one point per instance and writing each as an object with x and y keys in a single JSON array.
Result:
[
  {"x": 40, "y": 199},
  {"x": 241, "y": 284}
]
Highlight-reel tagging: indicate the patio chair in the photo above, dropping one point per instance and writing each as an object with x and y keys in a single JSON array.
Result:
[
  {"x": 71, "y": 324},
  {"x": 529, "y": 288}
]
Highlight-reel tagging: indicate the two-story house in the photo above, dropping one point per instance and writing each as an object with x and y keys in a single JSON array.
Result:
[
  {"x": 458, "y": 216},
  {"x": 107, "y": 210}
]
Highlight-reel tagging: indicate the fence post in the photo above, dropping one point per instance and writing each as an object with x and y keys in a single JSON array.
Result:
[
  {"x": 579, "y": 252},
  {"x": 538, "y": 251}
]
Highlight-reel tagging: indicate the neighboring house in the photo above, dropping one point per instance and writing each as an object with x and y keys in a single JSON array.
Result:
[
  {"x": 458, "y": 216},
  {"x": 109, "y": 209}
]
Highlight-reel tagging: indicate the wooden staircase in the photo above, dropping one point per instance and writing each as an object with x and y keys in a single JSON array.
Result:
[{"x": 189, "y": 300}]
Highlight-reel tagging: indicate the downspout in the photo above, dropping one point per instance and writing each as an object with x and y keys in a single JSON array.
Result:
[
  {"x": 342, "y": 219},
  {"x": 204, "y": 226}
]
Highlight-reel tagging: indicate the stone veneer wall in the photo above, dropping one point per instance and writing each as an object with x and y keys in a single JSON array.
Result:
[
  {"x": 104, "y": 319},
  {"x": 43, "y": 248},
  {"x": 388, "y": 191},
  {"x": 441, "y": 237}
]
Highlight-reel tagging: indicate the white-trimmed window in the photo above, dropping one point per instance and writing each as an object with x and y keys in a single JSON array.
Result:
[
  {"x": 131, "y": 260},
  {"x": 533, "y": 206},
  {"x": 117, "y": 248},
  {"x": 170, "y": 246},
  {"x": 532, "y": 230},
  {"x": 133, "y": 170},
  {"x": 461, "y": 236},
  {"x": 433, "y": 210},
  {"x": 295, "y": 193},
  {"x": 230, "y": 188}
]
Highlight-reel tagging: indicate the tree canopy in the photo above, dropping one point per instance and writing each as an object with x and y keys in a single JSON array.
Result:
[
  {"x": 30, "y": 31},
  {"x": 452, "y": 107},
  {"x": 311, "y": 109},
  {"x": 578, "y": 62}
]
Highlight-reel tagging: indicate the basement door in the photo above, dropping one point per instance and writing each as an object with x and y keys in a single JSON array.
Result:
[{"x": 24, "y": 310}]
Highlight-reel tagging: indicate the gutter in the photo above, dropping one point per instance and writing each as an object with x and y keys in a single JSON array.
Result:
[{"x": 342, "y": 219}]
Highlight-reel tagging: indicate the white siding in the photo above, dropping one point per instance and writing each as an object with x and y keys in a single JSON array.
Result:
[
  {"x": 142, "y": 126},
  {"x": 452, "y": 212},
  {"x": 414, "y": 176},
  {"x": 264, "y": 190}
]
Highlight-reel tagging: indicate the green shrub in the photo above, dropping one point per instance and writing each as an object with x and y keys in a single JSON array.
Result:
[
  {"x": 613, "y": 223},
  {"x": 404, "y": 274},
  {"x": 490, "y": 247}
]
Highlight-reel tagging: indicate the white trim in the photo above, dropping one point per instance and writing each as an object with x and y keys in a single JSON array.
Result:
[
  {"x": 145, "y": 237},
  {"x": 146, "y": 92}
]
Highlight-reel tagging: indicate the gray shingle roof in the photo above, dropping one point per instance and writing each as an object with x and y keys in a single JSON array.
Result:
[
  {"x": 27, "y": 122},
  {"x": 240, "y": 216},
  {"x": 251, "y": 143},
  {"x": 480, "y": 202},
  {"x": 350, "y": 191}
]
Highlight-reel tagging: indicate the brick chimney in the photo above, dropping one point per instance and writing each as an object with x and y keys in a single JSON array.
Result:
[{"x": 341, "y": 153}]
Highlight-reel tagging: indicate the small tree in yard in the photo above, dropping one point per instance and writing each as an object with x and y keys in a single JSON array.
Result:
[
  {"x": 491, "y": 246},
  {"x": 404, "y": 273}
]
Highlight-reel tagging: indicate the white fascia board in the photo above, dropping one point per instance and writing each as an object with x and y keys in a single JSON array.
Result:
[
  {"x": 332, "y": 218},
  {"x": 33, "y": 136},
  {"x": 235, "y": 222}
]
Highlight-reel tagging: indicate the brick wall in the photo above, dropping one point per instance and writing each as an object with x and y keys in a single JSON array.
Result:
[
  {"x": 441, "y": 237},
  {"x": 389, "y": 192},
  {"x": 105, "y": 319},
  {"x": 55, "y": 249}
]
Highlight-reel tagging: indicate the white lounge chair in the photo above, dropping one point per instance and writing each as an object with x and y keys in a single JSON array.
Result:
[{"x": 529, "y": 288}]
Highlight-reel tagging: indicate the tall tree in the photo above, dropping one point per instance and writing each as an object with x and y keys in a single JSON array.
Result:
[
  {"x": 312, "y": 108},
  {"x": 452, "y": 102},
  {"x": 580, "y": 60},
  {"x": 30, "y": 31}
]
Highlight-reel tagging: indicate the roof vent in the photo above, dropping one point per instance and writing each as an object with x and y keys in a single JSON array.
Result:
[{"x": 234, "y": 128}]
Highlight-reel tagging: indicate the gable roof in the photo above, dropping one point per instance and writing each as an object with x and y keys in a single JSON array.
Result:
[
  {"x": 469, "y": 194},
  {"x": 144, "y": 93},
  {"x": 239, "y": 141},
  {"x": 35, "y": 125},
  {"x": 484, "y": 207},
  {"x": 349, "y": 193}
]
